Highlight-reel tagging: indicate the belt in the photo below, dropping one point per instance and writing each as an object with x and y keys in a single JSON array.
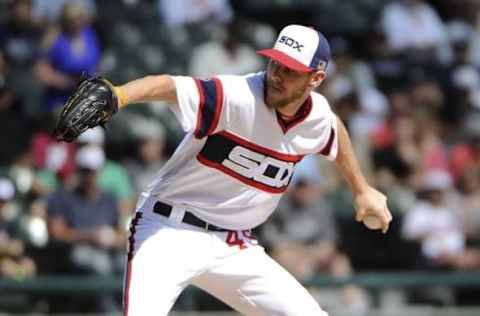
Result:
[{"x": 163, "y": 209}]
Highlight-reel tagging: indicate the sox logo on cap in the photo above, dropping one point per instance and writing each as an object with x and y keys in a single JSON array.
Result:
[{"x": 291, "y": 42}]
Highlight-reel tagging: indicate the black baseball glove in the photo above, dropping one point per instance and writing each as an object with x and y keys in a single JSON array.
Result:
[{"x": 93, "y": 103}]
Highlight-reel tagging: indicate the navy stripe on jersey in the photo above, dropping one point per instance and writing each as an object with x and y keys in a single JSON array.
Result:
[
  {"x": 128, "y": 273},
  {"x": 252, "y": 164},
  {"x": 328, "y": 147},
  {"x": 210, "y": 106}
]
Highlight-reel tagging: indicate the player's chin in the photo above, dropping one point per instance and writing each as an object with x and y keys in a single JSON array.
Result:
[{"x": 274, "y": 101}]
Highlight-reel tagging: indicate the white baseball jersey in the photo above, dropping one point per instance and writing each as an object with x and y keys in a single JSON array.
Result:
[{"x": 238, "y": 155}]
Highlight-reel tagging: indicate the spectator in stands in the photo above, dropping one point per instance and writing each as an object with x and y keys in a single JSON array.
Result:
[
  {"x": 23, "y": 173},
  {"x": 395, "y": 155},
  {"x": 303, "y": 237},
  {"x": 346, "y": 65},
  {"x": 469, "y": 186},
  {"x": 394, "y": 146},
  {"x": 342, "y": 79},
  {"x": 425, "y": 92},
  {"x": 433, "y": 151},
  {"x": 187, "y": 12},
  {"x": 86, "y": 218},
  {"x": 465, "y": 155},
  {"x": 68, "y": 52},
  {"x": 229, "y": 53},
  {"x": 352, "y": 86},
  {"x": 112, "y": 176},
  {"x": 389, "y": 70},
  {"x": 434, "y": 222},
  {"x": 150, "y": 140},
  {"x": 409, "y": 142},
  {"x": 56, "y": 165},
  {"x": 53, "y": 160},
  {"x": 414, "y": 28},
  {"x": 12, "y": 118},
  {"x": 461, "y": 85},
  {"x": 471, "y": 12},
  {"x": 20, "y": 36},
  {"x": 14, "y": 263},
  {"x": 49, "y": 11}
]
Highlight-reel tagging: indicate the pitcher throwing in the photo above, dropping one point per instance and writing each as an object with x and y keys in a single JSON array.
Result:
[{"x": 245, "y": 134}]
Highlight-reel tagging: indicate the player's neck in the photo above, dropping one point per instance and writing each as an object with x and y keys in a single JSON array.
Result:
[{"x": 291, "y": 109}]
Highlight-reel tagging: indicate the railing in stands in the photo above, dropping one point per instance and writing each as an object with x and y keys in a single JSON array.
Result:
[{"x": 95, "y": 284}]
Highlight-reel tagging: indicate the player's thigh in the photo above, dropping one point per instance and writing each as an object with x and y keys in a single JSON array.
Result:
[
  {"x": 161, "y": 262},
  {"x": 254, "y": 284}
]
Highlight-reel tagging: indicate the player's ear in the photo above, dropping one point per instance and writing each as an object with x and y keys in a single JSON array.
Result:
[{"x": 317, "y": 78}]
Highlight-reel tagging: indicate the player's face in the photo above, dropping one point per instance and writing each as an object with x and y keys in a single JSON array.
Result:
[{"x": 285, "y": 85}]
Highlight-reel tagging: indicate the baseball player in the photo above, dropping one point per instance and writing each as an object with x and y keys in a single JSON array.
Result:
[{"x": 245, "y": 134}]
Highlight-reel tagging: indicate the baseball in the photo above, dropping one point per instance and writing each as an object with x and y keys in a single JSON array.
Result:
[{"x": 372, "y": 222}]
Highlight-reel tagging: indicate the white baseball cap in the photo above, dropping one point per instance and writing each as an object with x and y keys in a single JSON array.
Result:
[
  {"x": 299, "y": 48},
  {"x": 90, "y": 157},
  {"x": 7, "y": 189},
  {"x": 94, "y": 136},
  {"x": 436, "y": 180}
]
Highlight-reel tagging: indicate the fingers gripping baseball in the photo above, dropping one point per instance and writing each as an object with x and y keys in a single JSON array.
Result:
[{"x": 371, "y": 209}]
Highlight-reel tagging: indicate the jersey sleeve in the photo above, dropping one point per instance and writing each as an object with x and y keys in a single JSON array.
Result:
[
  {"x": 199, "y": 104},
  {"x": 329, "y": 148}
]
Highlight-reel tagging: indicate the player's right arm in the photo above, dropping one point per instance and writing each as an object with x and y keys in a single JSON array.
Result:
[{"x": 149, "y": 88}]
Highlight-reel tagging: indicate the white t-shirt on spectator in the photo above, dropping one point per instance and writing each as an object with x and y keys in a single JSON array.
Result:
[
  {"x": 406, "y": 28},
  {"x": 181, "y": 12},
  {"x": 212, "y": 58},
  {"x": 438, "y": 228}
]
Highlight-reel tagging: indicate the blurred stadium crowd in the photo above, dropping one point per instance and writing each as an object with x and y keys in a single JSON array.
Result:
[{"x": 404, "y": 78}]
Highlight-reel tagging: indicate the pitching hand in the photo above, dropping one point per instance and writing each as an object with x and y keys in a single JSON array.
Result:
[{"x": 372, "y": 202}]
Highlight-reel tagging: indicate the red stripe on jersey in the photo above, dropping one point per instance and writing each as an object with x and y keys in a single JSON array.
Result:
[
  {"x": 218, "y": 105},
  {"x": 299, "y": 117},
  {"x": 239, "y": 177},
  {"x": 328, "y": 147},
  {"x": 201, "y": 104},
  {"x": 261, "y": 149}
]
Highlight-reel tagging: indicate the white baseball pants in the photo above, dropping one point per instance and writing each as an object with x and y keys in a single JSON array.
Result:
[{"x": 166, "y": 255}]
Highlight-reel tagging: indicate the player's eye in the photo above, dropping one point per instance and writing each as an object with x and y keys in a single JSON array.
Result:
[{"x": 273, "y": 64}]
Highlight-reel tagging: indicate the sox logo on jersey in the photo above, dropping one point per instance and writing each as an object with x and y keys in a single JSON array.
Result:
[{"x": 254, "y": 165}]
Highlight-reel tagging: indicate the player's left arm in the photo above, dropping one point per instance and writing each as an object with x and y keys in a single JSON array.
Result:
[
  {"x": 367, "y": 200},
  {"x": 148, "y": 88}
]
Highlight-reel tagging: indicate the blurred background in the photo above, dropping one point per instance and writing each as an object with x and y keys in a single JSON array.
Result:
[{"x": 404, "y": 78}]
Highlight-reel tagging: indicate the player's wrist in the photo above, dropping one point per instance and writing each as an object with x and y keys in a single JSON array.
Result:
[{"x": 121, "y": 96}]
